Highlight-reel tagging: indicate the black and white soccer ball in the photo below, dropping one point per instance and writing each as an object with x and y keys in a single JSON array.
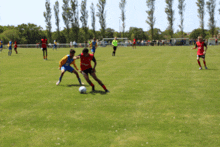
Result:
[{"x": 82, "y": 89}]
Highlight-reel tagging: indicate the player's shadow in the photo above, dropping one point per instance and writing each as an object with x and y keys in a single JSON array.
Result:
[
  {"x": 76, "y": 85},
  {"x": 97, "y": 92}
]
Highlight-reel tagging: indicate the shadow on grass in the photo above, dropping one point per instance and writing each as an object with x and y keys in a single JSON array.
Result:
[
  {"x": 75, "y": 85},
  {"x": 97, "y": 92}
]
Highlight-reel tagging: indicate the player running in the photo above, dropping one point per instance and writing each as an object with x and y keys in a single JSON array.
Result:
[
  {"x": 86, "y": 68},
  {"x": 93, "y": 45},
  {"x": 44, "y": 46},
  {"x": 10, "y": 44},
  {"x": 64, "y": 65},
  {"x": 115, "y": 45},
  {"x": 201, "y": 52},
  {"x": 55, "y": 45},
  {"x": 1, "y": 45},
  {"x": 15, "y": 47}
]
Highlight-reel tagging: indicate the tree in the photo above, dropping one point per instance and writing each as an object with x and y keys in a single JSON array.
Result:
[
  {"x": 201, "y": 11},
  {"x": 66, "y": 17},
  {"x": 56, "y": 11},
  {"x": 211, "y": 10},
  {"x": 93, "y": 19},
  {"x": 122, "y": 7},
  {"x": 197, "y": 32},
  {"x": 170, "y": 16},
  {"x": 151, "y": 19},
  {"x": 84, "y": 18},
  {"x": 181, "y": 8},
  {"x": 102, "y": 15},
  {"x": 47, "y": 16},
  {"x": 75, "y": 20}
]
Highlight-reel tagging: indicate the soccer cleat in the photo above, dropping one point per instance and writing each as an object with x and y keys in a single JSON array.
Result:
[
  {"x": 200, "y": 68},
  {"x": 58, "y": 82},
  {"x": 107, "y": 90},
  {"x": 206, "y": 67}
]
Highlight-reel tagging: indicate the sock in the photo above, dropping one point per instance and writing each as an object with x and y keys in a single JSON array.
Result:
[
  {"x": 92, "y": 84},
  {"x": 60, "y": 78},
  {"x": 103, "y": 86},
  {"x": 44, "y": 57},
  {"x": 79, "y": 81},
  {"x": 199, "y": 63},
  {"x": 204, "y": 63}
]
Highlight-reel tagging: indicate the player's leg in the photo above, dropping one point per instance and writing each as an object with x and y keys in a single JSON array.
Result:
[
  {"x": 99, "y": 81},
  {"x": 204, "y": 62},
  {"x": 85, "y": 75},
  {"x": 61, "y": 75},
  {"x": 77, "y": 75},
  {"x": 46, "y": 53},
  {"x": 198, "y": 57}
]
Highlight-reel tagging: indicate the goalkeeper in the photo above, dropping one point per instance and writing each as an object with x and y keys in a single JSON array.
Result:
[{"x": 115, "y": 45}]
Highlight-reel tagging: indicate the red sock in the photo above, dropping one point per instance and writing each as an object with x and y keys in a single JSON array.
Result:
[
  {"x": 103, "y": 86},
  {"x": 92, "y": 84},
  {"x": 44, "y": 57},
  {"x": 204, "y": 63},
  {"x": 199, "y": 63}
]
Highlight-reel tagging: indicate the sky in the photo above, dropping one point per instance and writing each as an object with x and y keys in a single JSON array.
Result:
[{"x": 16, "y": 12}]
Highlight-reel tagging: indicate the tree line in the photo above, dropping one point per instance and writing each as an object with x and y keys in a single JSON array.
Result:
[{"x": 30, "y": 33}]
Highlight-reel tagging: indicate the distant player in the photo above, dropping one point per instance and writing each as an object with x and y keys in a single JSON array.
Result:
[
  {"x": 44, "y": 47},
  {"x": 201, "y": 52},
  {"x": 1, "y": 45},
  {"x": 93, "y": 45},
  {"x": 134, "y": 43},
  {"x": 54, "y": 44},
  {"x": 64, "y": 65},
  {"x": 15, "y": 46},
  {"x": 115, "y": 45},
  {"x": 86, "y": 68},
  {"x": 10, "y": 44}
]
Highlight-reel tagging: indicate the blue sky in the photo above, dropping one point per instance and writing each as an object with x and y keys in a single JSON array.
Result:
[{"x": 15, "y": 12}]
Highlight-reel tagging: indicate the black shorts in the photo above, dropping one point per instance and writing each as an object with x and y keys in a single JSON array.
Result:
[
  {"x": 114, "y": 48},
  {"x": 201, "y": 56},
  {"x": 44, "y": 49},
  {"x": 15, "y": 48},
  {"x": 88, "y": 71}
]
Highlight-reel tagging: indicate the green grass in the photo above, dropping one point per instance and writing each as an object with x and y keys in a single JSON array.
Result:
[{"x": 158, "y": 97}]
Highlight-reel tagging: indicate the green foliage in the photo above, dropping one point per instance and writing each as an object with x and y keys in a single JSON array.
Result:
[
  {"x": 109, "y": 33},
  {"x": 157, "y": 34},
  {"x": 48, "y": 16},
  {"x": 101, "y": 14},
  {"x": 122, "y": 7},
  {"x": 170, "y": 16},
  {"x": 137, "y": 33},
  {"x": 198, "y": 32},
  {"x": 211, "y": 10},
  {"x": 93, "y": 18},
  {"x": 201, "y": 11},
  {"x": 66, "y": 17},
  {"x": 56, "y": 11},
  {"x": 84, "y": 19},
  {"x": 151, "y": 19},
  {"x": 75, "y": 20},
  {"x": 181, "y": 7}
]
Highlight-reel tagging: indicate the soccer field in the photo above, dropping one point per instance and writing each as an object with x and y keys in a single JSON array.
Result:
[{"x": 158, "y": 97}]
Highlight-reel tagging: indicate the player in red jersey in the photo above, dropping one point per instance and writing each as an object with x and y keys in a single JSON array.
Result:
[
  {"x": 86, "y": 68},
  {"x": 201, "y": 52},
  {"x": 134, "y": 43},
  {"x": 44, "y": 47},
  {"x": 15, "y": 46}
]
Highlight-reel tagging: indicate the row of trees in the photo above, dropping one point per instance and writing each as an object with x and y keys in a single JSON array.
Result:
[
  {"x": 71, "y": 18},
  {"x": 31, "y": 34},
  {"x": 210, "y": 5}
]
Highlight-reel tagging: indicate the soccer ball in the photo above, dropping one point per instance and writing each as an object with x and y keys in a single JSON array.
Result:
[{"x": 82, "y": 89}]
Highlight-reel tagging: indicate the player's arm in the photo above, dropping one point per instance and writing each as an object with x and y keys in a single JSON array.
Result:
[
  {"x": 62, "y": 61},
  {"x": 205, "y": 48},
  {"x": 95, "y": 63},
  {"x": 74, "y": 65},
  {"x": 96, "y": 45},
  {"x": 77, "y": 57},
  {"x": 195, "y": 47}
]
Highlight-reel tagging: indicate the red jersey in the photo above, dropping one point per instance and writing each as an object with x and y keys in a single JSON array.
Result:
[
  {"x": 200, "y": 46},
  {"x": 85, "y": 62},
  {"x": 15, "y": 44},
  {"x": 44, "y": 43}
]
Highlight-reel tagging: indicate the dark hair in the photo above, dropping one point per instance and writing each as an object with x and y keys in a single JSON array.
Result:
[
  {"x": 94, "y": 38},
  {"x": 72, "y": 51},
  {"x": 85, "y": 50}
]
